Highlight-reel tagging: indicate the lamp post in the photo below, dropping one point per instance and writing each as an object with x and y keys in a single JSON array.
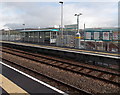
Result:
[
  {"x": 78, "y": 36},
  {"x": 78, "y": 21},
  {"x": 8, "y": 34},
  {"x": 61, "y": 23},
  {"x": 24, "y": 29},
  {"x": 24, "y": 26},
  {"x": 61, "y": 18}
]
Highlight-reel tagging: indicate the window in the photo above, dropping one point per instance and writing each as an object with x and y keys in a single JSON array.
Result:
[{"x": 47, "y": 34}]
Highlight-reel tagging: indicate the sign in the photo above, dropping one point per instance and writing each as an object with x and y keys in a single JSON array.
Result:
[
  {"x": 115, "y": 35},
  {"x": 106, "y": 36},
  {"x": 96, "y": 35},
  {"x": 72, "y": 26},
  {"x": 88, "y": 35}
]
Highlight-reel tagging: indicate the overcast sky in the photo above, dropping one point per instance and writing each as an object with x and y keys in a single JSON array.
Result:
[{"x": 47, "y": 14}]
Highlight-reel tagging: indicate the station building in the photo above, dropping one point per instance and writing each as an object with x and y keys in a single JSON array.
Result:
[
  {"x": 39, "y": 36},
  {"x": 102, "y": 39}
]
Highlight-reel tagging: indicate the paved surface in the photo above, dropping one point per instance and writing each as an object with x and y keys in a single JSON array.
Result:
[
  {"x": 3, "y": 91},
  {"x": 21, "y": 82}
]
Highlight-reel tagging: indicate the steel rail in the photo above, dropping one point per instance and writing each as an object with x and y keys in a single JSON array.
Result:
[{"x": 94, "y": 77}]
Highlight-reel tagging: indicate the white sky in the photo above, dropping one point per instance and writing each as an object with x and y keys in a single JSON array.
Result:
[
  {"x": 59, "y": 0},
  {"x": 46, "y": 14}
]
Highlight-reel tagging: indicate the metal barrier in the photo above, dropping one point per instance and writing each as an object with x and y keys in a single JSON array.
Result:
[{"x": 66, "y": 40}]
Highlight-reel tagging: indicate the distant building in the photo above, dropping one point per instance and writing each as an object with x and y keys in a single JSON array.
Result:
[{"x": 71, "y": 26}]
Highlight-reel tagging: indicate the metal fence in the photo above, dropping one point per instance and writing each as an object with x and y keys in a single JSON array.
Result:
[
  {"x": 66, "y": 40},
  {"x": 69, "y": 40},
  {"x": 11, "y": 37}
]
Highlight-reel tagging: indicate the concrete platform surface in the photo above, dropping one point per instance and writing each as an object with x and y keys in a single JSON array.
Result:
[{"x": 15, "y": 81}]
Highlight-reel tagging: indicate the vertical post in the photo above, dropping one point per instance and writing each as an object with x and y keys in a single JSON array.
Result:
[
  {"x": 24, "y": 37},
  {"x": 84, "y": 26},
  {"x": 62, "y": 19},
  {"x": 28, "y": 36},
  {"x": 102, "y": 45},
  {"x": 38, "y": 37},
  {"x": 78, "y": 23},
  {"x": 24, "y": 26},
  {"x": 108, "y": 46},
  {"x": 56, "y": 38},
  {"x": 20, "y": 36},
  {"x": 84, "y": 38},
  {"x": 50, "y": 37},
  {"x": 33, "y": 36},
  {"x": 61, "y": 22},
  {"x": 7, "y": 35},
  {"x": 43, "y": 35},
  {"x": 95, "y": 45},
  {"x": 14, "y": 37},
  {"x": 78, "y": 36}
]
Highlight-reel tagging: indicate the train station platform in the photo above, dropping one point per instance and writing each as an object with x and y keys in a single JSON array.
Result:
[
  {"x": 115, "y": 55},
  {"x": 18, "y": 82},
  {"x": 101, "y": 58}
]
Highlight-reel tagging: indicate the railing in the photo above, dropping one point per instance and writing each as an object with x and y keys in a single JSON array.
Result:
[{"x": 69, "y": 41}]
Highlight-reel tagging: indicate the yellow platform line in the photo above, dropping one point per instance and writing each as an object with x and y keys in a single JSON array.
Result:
[{"x": 11, "y": 87}]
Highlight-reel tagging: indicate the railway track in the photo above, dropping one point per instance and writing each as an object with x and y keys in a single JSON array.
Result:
[
  {"x": 59, "y": 82},
  {"x": 75, "y": 68}
]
